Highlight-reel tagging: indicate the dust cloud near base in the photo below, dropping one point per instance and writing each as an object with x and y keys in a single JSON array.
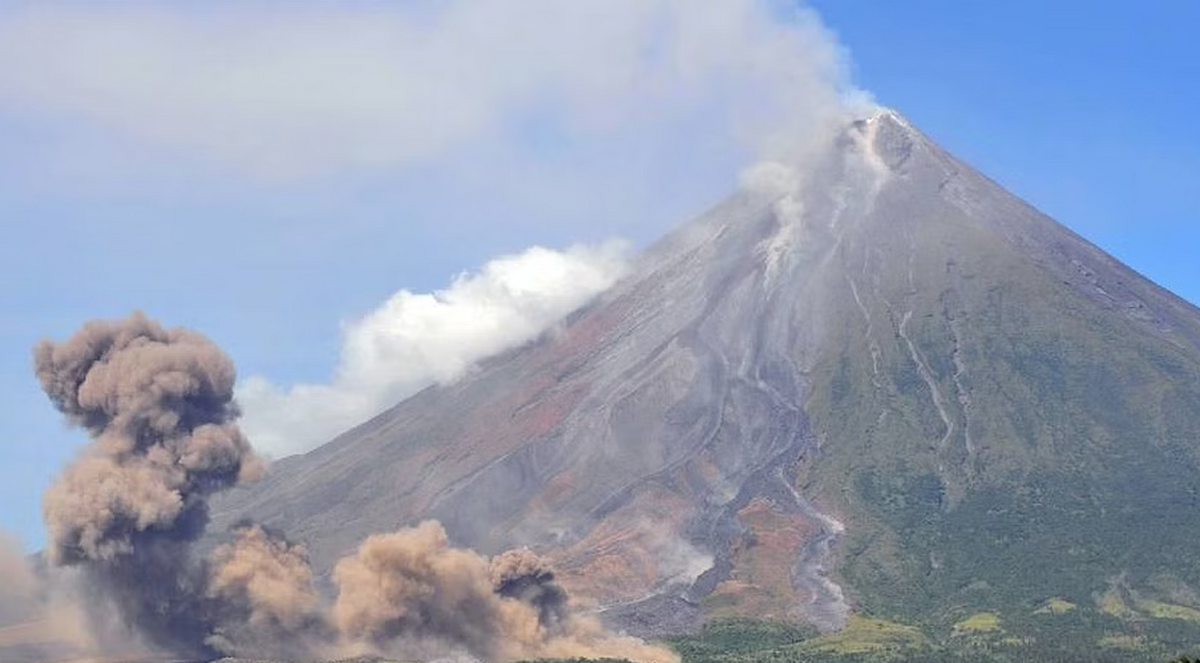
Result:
[{"x": 124, "y": 516}]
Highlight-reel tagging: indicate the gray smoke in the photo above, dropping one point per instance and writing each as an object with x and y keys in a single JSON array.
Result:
[
  {"x": 158, "y": 406},
  {"x": 524, "y": 575}
]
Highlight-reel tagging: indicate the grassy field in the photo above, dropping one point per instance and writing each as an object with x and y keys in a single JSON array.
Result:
[{"x": 980, "y": 638}]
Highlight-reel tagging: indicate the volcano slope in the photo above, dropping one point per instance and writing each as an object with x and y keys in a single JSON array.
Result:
[{"x": 883, "y": 386}]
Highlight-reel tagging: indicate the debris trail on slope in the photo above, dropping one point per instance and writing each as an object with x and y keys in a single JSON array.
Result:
[
  {"x": 960, "y": 371},
  {"x": 935, "y": 392},
  {"x": 828, "y": 609},
  {"x": 872, "y": 346}
]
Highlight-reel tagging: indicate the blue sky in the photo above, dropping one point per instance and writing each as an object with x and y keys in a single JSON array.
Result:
[{"x": 275, "y": 242}]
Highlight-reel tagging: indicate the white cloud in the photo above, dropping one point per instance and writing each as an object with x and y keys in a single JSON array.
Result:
[
  {"x": 280, "y": 94},
  {"x": 414, "y": 340},
  {"x": 635, "y": 92}
]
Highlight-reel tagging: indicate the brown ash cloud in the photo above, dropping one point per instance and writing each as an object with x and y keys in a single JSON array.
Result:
[
  {"x": 158, "y": 407},
  {"x": 526, "y": 576},
  {"x": 411, "y": 591},
  {"x": 265, "y": 587},
  {"x": 412, "y": 587}
]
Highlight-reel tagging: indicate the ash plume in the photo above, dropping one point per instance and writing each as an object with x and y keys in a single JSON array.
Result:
[
  {"x": 524, "y": 575},
  {"x": 158, "y": 406},
  {"x": 411, "y": 587},
  {"x": 411, "y": 590},
  {"x": 265, "y": 586}
]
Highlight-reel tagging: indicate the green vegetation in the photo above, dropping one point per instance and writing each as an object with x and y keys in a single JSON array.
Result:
[
  {"x": 578, "y": 660},
  {"x": 1169, "y": 611},
  {"x": 1019, "y": 467},
  {"x": 355, "y": 659},
  {"x": 867, "y": 640},
  {"x": 730, "y": 637},
  {"x": 1055, "y": 606},
  {"x": 863, "y": 635},
  {"x": 980, "y": 622}
]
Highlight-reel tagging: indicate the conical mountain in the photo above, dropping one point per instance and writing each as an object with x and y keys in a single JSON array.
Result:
[{"x": 878, "y": 385}]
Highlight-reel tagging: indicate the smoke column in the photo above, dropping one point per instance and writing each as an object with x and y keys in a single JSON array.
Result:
[
  {"x": 269, "y": 604},
  {"x": 522, "y": 574},
  {"x": 158, "y": 407},
  {"x": 410, "y": 591}
]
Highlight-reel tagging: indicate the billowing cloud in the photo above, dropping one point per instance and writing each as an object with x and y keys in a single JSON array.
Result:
[
  {"x": 321, "y": 86},
  {"x": 491, "y": 90},
  {"x": 268, "y": 601},
  {"x": 414, "y": 340},
  {"x": 411, "y": 587},
  {"x": 157, "y": 404}
]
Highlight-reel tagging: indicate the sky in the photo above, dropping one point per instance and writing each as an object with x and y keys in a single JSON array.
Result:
[{"x": 357, "y": 199}]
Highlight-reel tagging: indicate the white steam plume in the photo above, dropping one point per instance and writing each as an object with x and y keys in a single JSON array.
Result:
[
  {"x": 327, "y": 88},
  {"x": 414, "y": 340},
  {"x": 322, "y": 86}
]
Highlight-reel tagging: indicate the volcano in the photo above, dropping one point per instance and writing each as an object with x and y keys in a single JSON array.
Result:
[{"x": 876, "y": 385}]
